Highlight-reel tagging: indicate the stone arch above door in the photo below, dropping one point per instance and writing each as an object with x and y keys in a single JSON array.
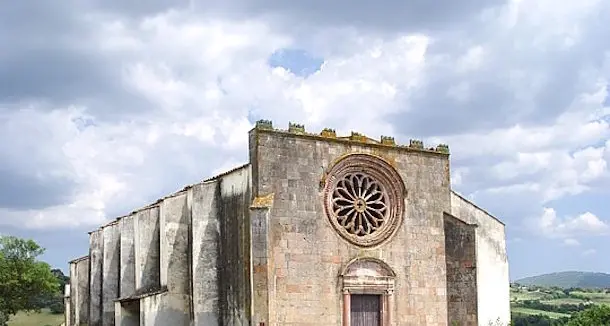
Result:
[{"x": 368, "y": 276}]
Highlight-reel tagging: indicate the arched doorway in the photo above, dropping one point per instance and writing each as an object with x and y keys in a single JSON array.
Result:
[{"x": 368, "y": 292}]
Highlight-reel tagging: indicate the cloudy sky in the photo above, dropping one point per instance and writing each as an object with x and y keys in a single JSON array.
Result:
[{"x": 108, "y": 105}]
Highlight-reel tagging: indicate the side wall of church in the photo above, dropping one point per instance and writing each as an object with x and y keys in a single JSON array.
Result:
[
  {"x": 184, "y": 260},
  {"x": 205, "y": 253},
  {"x": 79, "y": 291},
  {"x": 306, "y": 255},
  {"x": 233, "y": 203},
  {"x": 460, "y": 253},
  {"x": 493, "y": 290},
  {"x": 96, "y": 249}
]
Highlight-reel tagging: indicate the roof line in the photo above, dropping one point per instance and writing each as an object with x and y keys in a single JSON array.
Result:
[
  {"x": 157, "y": 202},
  {"x": 474, "y": 225},
  {"x": 76, "y": 260},
  {"x": 478, "y": 207},
  {"x": 225, "y": 173}
]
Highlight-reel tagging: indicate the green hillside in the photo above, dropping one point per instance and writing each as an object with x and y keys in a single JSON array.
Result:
[{"x": 570, "y": 279}]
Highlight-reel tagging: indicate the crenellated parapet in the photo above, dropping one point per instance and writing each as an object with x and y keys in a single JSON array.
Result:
[
  {"x": 264, "y": 124},
  {"x": 296, "y": 128},
  {"x": 442, "y": 148},
  {"x": 416, "y": 143},
  {"x": 329, "y": 133},
  {"x": 386, "y": 140},
  {"x": 356, "y": 137}
]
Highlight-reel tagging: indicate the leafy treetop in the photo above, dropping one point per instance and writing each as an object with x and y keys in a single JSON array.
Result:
[{"x": 23, "y": 278}]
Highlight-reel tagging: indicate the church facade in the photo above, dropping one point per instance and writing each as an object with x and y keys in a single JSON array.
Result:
[{"x": 315, "y": 230}]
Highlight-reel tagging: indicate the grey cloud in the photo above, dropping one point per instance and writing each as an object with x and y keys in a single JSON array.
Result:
[
  {"x": 33, "y": 174},
  {"x": 434, "y": 112},
  {"x": 493, "y": 101},
  {"x": 383, "y": 16},
  {"x": 174, "y": 162},
  {"x": 21, "y": 191},
  {"x": 53, "y": 56},
  {"x": 139, "y": 9}
]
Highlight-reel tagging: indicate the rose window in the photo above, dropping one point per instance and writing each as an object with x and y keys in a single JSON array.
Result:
[
  {"x": 359, "y": 203},
  {"x": 364, "y": 199}
]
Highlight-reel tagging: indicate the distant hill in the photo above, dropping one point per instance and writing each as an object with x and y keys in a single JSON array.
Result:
[{"x": 569, "y": 280}]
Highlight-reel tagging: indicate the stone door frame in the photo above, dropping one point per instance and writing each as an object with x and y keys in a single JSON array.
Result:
[{"x": 367, "y": 275}]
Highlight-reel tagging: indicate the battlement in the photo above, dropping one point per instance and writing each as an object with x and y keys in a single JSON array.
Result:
[{"x": 328, "y": 133}]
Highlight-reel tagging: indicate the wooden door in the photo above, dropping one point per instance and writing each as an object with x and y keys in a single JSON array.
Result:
[{"x": 365, "y": 310}]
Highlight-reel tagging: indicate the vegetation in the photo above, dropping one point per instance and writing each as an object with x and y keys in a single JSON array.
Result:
[
  {"x": 565, "y": 280},
  {"x": 554, "y": 306},
  {"x": 597, "y": 315},
  {"x": 44, "y": 317},
  {"x": 25, "y": 282}
]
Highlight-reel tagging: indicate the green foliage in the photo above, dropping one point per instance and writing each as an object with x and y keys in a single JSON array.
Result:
[
  {"x": 23, "y": 279},
  {"x": 57, "y": 308},
  {"x": 53, "y": 301},
  {"x": 537, "y": 320},
  {"x": 596, "y": 315},
  {"x": 540, "y": 306}
]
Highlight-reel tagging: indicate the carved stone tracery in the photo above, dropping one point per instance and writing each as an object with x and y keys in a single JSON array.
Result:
[
  {"x": 363, "y": 199},
  {"x": 359, "y": 203}
]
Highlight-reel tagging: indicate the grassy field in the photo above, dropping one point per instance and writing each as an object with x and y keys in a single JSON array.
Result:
[
  {"x": 552, "y": 297},
  {"x": 36, "y": 319},
  {"x": 595, "y": 297}
]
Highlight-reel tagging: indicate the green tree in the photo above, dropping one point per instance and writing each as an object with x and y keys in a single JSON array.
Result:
[
  {"x": 596, "y": 315},
  {"x": 23, "y": 278}
]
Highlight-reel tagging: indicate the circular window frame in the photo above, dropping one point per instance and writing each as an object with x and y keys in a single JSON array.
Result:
[{"x": 390, "y": 183}]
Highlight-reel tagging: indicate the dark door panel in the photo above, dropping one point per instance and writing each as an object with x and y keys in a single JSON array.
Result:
[{"x": 365, "y": 310}]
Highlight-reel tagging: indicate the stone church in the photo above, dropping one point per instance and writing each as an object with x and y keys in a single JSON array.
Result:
[{"x": 316, "y": 229}]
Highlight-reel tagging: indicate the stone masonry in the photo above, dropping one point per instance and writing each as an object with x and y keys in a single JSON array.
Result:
[{"x": 314, "y": 228}]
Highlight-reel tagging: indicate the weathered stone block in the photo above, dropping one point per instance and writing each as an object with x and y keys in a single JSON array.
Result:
[
  {"x": 127, "y": 285},
  {"x": 111, "y": 272}
]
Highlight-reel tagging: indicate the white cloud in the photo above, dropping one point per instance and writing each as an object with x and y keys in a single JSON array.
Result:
[
  {"x": 584, "y": 224},
  {"x": 494, "y": 94},
  {"x": 589, "y": 252},
  {"x": 571, "y": 242}
]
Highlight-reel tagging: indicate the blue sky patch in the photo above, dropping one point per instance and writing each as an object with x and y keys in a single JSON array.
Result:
[{"x": 297, "y": 61}]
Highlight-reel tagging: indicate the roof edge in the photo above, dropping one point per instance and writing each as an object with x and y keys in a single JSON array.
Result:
[
  {"x": 76, "y": 260},
  {"x": 477, "y": 207},
  {"x": 473, "y": 225},
  {"x": 237, "y": 168},
  {"x": 157, "y": 202}
]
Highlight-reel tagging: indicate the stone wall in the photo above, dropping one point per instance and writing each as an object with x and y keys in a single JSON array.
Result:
[
  {"x": 305, "y": 255},
  {"x": 205, "y": 253},
  {"x": 493, "y": 290},
  {"x": 147, "y": 250},
  {"x": 234, "y": 255},
  {"x": 184, "y": 260},
  {"x": 67, "y": 308},
  {"x": 460, "y": 256},
  {"x": 96, "y": 258},
  {"x": 79, "y": 291},
  {"x": 110, "y": 271},
  {"x": 127, "y": 282}
]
